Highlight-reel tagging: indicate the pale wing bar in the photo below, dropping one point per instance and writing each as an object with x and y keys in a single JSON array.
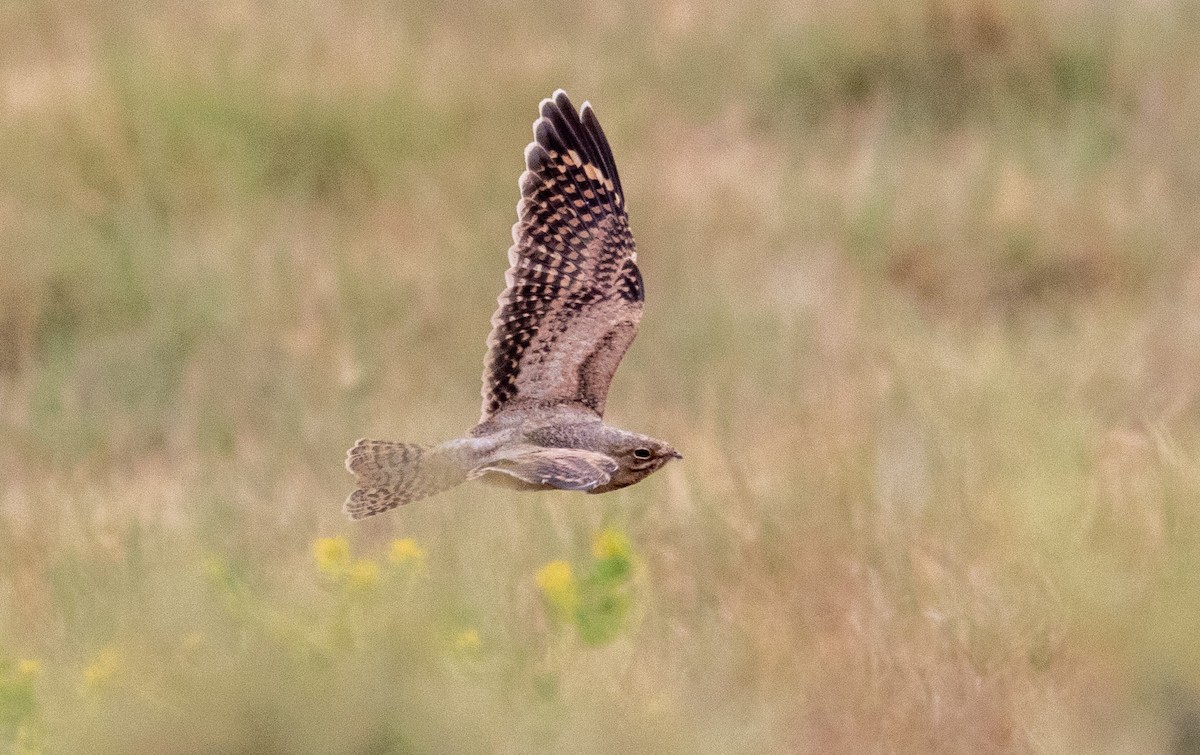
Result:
[{"x": 562, "y": 468}]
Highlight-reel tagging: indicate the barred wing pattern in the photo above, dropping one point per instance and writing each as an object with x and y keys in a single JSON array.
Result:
[{"x": 574, "y": 293}]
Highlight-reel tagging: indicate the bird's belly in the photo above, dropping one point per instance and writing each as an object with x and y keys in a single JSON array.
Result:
[
  {"x": 502, "y": 480},
  {"x": 616, "y": 485}
]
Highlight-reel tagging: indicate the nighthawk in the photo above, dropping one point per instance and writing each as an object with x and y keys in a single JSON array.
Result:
[{"x": 570, "y": 310}]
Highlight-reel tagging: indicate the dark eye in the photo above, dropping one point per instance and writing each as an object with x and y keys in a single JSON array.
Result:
[{"x": 641, "y": 453}]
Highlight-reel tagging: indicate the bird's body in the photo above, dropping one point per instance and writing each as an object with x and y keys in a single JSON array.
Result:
[{"x": 570, "y": 310}]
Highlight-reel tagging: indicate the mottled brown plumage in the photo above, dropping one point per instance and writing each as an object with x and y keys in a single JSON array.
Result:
[
  {"x": 568, "y": 314},
  {"x": 574, "y": 295}
]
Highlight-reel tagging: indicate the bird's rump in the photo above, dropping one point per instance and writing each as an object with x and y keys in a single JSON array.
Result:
[{"x": 574, "y": 293}]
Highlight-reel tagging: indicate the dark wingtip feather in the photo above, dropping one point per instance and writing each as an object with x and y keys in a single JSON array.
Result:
[
  {"x": 548, "y": 136},
  {"x": 571, "y": 129},
  {"x": 536, "y": 157},
  {"x": 561, "y": 114},
  {"x": 564, "y": 103},
  {"x": 591, "y": 124},
  {"x": 529, "y": 180}
]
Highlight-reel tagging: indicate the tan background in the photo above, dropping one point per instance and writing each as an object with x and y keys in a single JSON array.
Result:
[{"x": 923, "y": 314}]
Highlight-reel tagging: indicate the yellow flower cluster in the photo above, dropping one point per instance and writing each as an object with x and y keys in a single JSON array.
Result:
[
  {"x": 332, "y": 555},
  {"x": 29, "y": 668},
  {"x": 614, "y": 558},
  {"x": 558, "y": 587},
  {"x": 336, "y": 563},
  {"x": 405, "y": 551},
  {"x": 102, "y": 668},
  {"x": 611, "y": 543},
  {"x": 597, "y": 603}
]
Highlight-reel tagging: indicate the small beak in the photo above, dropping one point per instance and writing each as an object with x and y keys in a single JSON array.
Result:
[{"x": 676, "y": 455}]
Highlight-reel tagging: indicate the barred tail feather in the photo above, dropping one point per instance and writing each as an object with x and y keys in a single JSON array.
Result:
[{"x": 390, "y": 474}]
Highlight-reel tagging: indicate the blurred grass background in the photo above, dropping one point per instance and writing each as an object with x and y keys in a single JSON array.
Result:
[{"x": 923, "y": 315}]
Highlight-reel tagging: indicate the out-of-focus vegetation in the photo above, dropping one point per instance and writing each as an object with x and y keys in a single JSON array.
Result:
[{"x": 923, "y": 315}]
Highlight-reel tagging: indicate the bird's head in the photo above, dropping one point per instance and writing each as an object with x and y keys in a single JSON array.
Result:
[{"x": 638, "y": 456}]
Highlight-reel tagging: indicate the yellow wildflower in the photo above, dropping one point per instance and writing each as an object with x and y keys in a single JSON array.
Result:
[
  {"x": 611, "y": 543},
  {"x": 29, "y": 667},
  {"x": 406, "y": 551},
  {"x": 364, "y": 573},
  {"x": 467, "y": 641},
  {"x": 614, "y": 558},
  {"x": 102, "y": 668},
  {"x": 332, "y": 554},
  {"x": 558, "y": 586}
]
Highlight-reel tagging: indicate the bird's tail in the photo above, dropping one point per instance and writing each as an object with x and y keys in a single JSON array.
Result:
[{"x": 390, "y": 474}]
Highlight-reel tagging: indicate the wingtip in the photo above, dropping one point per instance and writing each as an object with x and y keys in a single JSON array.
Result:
[
  {"x": 351, "y": 507},
  {"x": 350, "y": 454},
  {"x": 558, "y": 104},
  {"x": 562, "y": 100},
  {"x": 536, "y": 157},
  {"x": 545, "y": 136}
]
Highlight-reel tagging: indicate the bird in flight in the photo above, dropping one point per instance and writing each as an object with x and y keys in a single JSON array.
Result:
[{"x": 570, "y": 310}]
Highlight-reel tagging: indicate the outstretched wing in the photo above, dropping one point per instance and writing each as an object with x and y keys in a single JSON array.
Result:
[{"x": 574, "y": 295}]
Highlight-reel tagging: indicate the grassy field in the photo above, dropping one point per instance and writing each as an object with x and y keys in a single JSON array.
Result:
[{"x": 923, "y": 314}]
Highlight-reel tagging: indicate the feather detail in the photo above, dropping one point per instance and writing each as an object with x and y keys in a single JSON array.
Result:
[{"x": 574, "y": 294}]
